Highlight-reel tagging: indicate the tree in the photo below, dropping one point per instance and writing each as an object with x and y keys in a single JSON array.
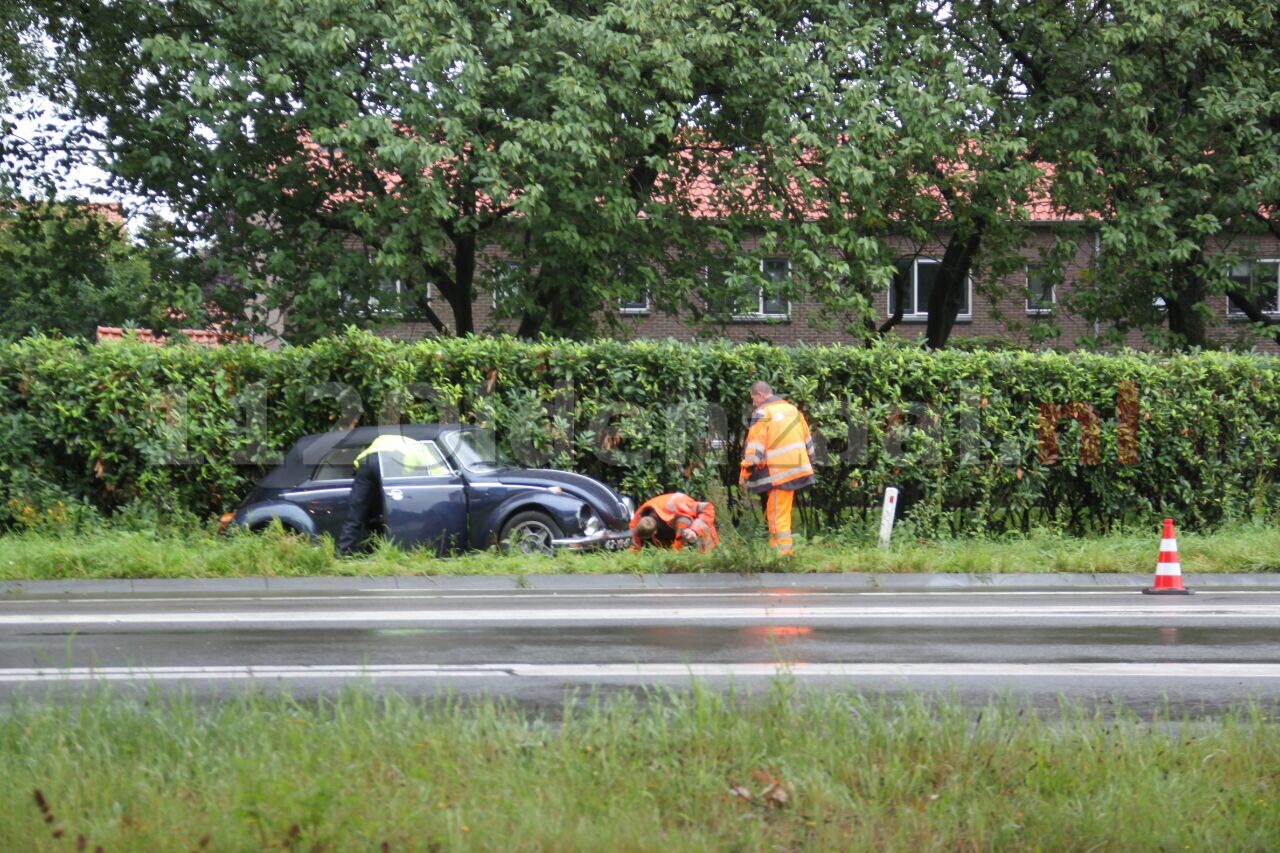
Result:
[
  {"x": 1022, "y": 61},
  {"x": 871, "y": 108},
  {"x": 1175, "y": 145},
  {"x": 17, "y": 75},
  {"x": 68, "y": 267},
  {"x": 332, "y": 156},
  {"x": 1156, "y": 121},
  {"x": 324, "y": 152},
  {"x": 347, "y": 162}
]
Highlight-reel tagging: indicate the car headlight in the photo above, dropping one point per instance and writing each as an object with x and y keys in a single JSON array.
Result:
[{"x": 592, "y": 524}]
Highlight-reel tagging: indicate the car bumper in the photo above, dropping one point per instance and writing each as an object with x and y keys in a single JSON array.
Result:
[{"x": 608, "y": 539}]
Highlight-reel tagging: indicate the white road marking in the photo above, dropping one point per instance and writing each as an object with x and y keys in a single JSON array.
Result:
[
  {"x": 1148, "y": 609},
  {"x": 599, "y": 672},
  {"x": 540, "y": 595}
]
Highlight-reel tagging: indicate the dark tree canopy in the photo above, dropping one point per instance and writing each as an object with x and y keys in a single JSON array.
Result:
[
  {"x": 340, "y": 162},
  {"x": 67, "y": 268}
]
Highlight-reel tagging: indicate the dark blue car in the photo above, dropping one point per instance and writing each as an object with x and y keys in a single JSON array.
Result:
[{"x": 470, "y": 498}]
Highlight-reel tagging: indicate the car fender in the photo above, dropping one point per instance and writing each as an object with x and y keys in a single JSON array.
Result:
[
  {"x": 563, "y": 508},
  {"x": 290, "y": 516}
]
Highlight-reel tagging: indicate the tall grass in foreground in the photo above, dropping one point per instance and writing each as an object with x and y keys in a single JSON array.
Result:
[
  {"x": 689, "y": 771},
  {"x": 108, "y": 553}
]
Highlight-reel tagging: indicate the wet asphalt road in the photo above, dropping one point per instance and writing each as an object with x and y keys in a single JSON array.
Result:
[{"x": 1038, "y": 639}]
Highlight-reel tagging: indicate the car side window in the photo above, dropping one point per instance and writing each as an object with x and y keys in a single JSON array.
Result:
[
  {"x": 338, "y": 464},
  {"x": 433, "y": 466}
]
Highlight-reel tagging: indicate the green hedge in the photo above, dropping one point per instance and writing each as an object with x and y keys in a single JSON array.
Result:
[{"x": 126, "y": 427}]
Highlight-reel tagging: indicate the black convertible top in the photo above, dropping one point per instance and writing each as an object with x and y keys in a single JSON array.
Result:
[{"x": 308, "y": 451}]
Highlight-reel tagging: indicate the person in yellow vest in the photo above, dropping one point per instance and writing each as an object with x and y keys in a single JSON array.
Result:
[
  {"x": 674, "y": 520},
  {"x": 777, "y": 461},
  {"x": 365, "y": 500}
]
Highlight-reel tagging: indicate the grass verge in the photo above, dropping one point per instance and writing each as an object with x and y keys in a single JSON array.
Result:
[
  {"x": 689, "y": 771},
  {"x": 104, "y": 554}
]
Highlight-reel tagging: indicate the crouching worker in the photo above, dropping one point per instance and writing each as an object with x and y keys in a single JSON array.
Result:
[
  {"x": 365, "y": 501},
  {"x": 673, "y": 521}
]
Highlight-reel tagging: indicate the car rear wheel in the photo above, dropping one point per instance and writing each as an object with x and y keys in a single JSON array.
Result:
[
  {"x": 529, "y": 532},
  {"x": 287, "y": 529}
]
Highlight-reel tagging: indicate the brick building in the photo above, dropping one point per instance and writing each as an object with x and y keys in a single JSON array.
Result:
[{"x": 1028, "y": 309}]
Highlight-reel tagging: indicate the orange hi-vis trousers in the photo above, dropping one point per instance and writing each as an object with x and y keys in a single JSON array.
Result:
[{"x": 777, "y": 511}]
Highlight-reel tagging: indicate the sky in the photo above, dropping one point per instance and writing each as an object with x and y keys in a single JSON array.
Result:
[{"x": 83, "y": 181}]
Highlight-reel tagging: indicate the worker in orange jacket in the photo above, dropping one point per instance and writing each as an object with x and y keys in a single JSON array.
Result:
[
  {"x": 777, "y": 461},
  {"x": 674, "y": 520}
]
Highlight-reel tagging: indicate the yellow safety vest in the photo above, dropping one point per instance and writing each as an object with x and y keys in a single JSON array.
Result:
[
  {"x": 411, "y": 453},
  {"x": 779, "y": 449}
]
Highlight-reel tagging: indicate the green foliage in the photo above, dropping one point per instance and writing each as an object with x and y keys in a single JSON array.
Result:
[
  {"x": 128, "y": 427},
  {"x": 18, "y": 71},
  {"x": 321, "y": 152},
  {"x": 1176, "y": 149},
  {"x": 358, "y": 163},
  {"x": 68, "y": 267}
]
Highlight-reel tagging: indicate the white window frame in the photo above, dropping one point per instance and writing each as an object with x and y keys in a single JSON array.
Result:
[
  {"x": 761, "y": 300},
  {"x": 786, "y": 267},
  {"x": 392, "y": 286},
  {"x": 626, "y": 273},
  {"x": 1039, "y": 307},
  {"x": 637, "y": 307},
  {"x": 921, "y": 312},
  {"x": 1248, "y": 267},
  {"x": 508, "y": 266},
  {"x": 759, "y": 313}
]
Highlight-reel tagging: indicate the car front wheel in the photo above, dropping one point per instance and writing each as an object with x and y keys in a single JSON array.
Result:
[{"x": 529, "y": 532}]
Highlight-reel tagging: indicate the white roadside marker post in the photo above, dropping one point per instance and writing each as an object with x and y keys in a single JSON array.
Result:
[{"x": 887, "y": 514}]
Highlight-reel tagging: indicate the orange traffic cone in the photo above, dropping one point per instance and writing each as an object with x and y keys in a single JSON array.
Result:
[{"x": 1168, "y": 568}]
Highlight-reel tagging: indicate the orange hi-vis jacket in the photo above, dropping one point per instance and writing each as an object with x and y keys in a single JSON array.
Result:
[
  {"x": 680, "y": 512},
  {"x": 779, "y": 450}
]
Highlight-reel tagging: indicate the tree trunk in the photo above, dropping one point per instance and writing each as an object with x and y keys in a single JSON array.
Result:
[
  {"x": 462, "y": 293},
  {"x": 1241, "y": 300},
  {"x": 425, "y": 309},
  {"x": 949, "y": 289},
  {"x": 557, "y": 307},
  {"x": 1186, "y": 323},
  {"x": 899, "y": 286},
  {"x": 532, "y": 320}
]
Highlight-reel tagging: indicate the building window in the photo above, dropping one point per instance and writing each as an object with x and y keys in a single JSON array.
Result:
[
  {"x": 917, "y": 276},
  {"x": 390, "y": 298},
  {"x": 635, "y": 296},
  {"x": 773, "y": 296},
  {"x": 639, "y": 305},
  {"x": 731, "y": 296},
  {"x": 1040, "y": 291},
  {"x": 721, "y": 299},
  {"x": 1260, "y": 280},
  {"x": 506, "y": 284},
  {"x": 743, "y": 298}
]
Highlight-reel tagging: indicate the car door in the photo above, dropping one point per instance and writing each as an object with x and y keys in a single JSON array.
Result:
[
  {"x": 424, "y": 507},
  {"x": 324, "y": 495}
]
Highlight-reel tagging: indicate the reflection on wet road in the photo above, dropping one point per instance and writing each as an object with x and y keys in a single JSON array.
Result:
[{"x": 1205, "y": 652}]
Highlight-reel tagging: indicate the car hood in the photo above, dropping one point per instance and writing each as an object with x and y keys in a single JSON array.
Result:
[{"x": 606, "y": 501}]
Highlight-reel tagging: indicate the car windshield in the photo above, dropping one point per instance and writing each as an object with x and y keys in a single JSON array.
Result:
[{"x": 475, "y": 450}]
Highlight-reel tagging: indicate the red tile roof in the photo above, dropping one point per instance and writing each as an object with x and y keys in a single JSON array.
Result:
[
  {"x": 696, "y": 183},
  {"x": 203, "y": 337}
]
